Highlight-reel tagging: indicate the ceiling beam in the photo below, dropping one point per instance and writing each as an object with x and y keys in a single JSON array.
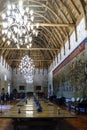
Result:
[
  {"x": 33, "y": 60},
  {"x": 23, "y": 49},
  {"x": 56, "y": 25},
  {"x": 53, "y": 24}
]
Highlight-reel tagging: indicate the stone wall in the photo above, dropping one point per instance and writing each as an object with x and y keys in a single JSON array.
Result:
[
  {"x": 5, "y": 75},
  {"x": 81, "y": 35},
  {"x": 40, "y": 79}
]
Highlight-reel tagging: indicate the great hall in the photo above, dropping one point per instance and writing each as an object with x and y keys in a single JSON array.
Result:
[{"x": 43, "y": 64}]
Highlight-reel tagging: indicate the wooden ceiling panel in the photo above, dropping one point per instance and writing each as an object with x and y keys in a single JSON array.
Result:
[{"x": 57, "y": 19}]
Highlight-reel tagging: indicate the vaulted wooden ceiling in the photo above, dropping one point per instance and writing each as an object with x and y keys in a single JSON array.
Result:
[{"x": 57, "y": 20}]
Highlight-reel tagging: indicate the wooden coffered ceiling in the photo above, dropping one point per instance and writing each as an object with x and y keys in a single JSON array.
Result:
[{"x": 57, "y": 20}]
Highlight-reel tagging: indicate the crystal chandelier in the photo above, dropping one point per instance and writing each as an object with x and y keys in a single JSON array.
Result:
[
  {"x": 18, "y": 26},
  {"x": 26, "y": 67},
  {"x": 28, "y": 78}
]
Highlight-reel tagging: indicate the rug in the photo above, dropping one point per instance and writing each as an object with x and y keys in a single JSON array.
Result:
[{"x": 4, "y": 108}]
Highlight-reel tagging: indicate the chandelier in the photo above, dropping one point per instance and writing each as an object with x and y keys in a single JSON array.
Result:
[
  {"x": 18, "y": 26},
  {"x": 28, "y": 78},
  {"x": 26, "y": 67}
]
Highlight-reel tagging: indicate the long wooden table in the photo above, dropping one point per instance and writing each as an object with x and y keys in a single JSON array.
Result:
[
  {"x": 29, "y": 111},
  {"x": 29, "y": 115}
]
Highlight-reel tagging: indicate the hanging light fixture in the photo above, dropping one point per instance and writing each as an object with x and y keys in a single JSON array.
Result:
[
  {"x": 18, "y": 25},
  {"x": 26, "y": 67},
  {"x": 29, "y": 78}
]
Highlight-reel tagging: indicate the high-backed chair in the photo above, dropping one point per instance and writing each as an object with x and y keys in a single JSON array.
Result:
[
  {"x": 82, "y": 106},
  {"x": 72, "y": 103}
]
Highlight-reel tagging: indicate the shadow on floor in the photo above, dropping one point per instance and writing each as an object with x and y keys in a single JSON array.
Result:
[{"x": 65, "y": 125}]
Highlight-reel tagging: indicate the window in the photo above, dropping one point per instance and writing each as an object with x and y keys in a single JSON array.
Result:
[{"x": 5, "y": 77}]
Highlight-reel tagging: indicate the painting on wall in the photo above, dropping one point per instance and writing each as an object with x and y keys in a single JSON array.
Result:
[
  {"x": 21, "y": 87},
  {"x": 38, "y": 88}
]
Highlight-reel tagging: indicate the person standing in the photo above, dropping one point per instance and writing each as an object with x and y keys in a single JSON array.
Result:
[{"x": 7, "y": 97}]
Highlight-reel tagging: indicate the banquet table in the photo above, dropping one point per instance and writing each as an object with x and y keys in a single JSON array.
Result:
[{"x": 26, "y": 114}]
